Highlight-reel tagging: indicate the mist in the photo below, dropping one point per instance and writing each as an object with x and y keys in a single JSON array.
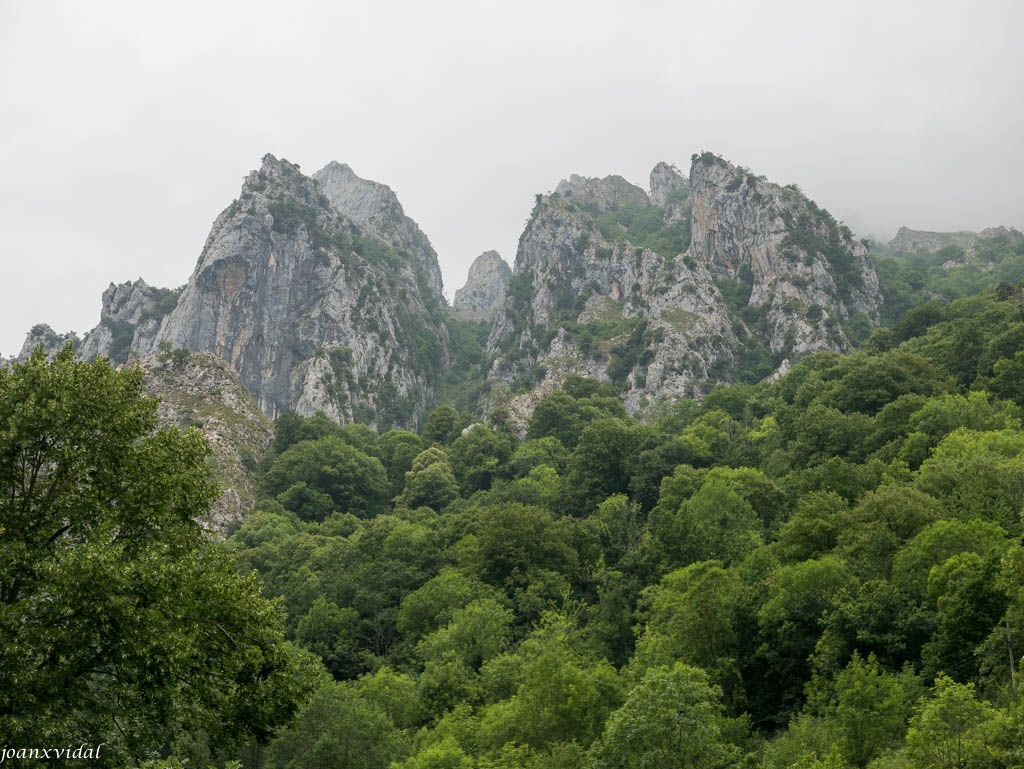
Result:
[{"x": 126, "y": 127}]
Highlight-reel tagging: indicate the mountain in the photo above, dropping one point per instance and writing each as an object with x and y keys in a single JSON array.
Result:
[
  {"x": 52, "y": 342},
  {"x": 704, "y": 279},
  {"x": 484, "y": 292},
  {"x": 323, "y": 295},
  {"x": 129, "y": 320},
  {"x": 374, "y": 207},
  {"x": 319, "y": 292},
  {"x": 315, "y": 311},
  {"x": 908, "y": 241}
]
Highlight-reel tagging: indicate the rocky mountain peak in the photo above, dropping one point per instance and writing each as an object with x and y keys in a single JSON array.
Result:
[
  {"x": 803, "y": 270},
  {"x": 129, "y": 320},
  {"x": 314, "y": 311},
  {"x": 667, "y": 183},
  {"x": 908, "y": 241},
  {"x": 361, "y": 200},
  {"x": 599, "y": 196},
  {"x": 376, "y": 210},
  {"x": 670, "y": 293},
  {"x": 484, "y": 293},
  {"x": 280, "y": 173},
  {"x": 52, "y": 342}
]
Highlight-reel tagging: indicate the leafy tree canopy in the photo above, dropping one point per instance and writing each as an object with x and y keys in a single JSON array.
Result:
[{"x": 120, "y": 620}]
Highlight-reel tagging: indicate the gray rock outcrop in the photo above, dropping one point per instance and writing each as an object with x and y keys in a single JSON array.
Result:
[
  {"x": 586, "y": 300},
  {"x": 805, "y": 271},
  {"x": 52, "y": 342},
  {"x": 129, "y": 320},
  {"x": 374, "y": 207},
  {"x": 908, "y": 241},
  {"x": 484, "y": 293},
  {"x": 667, "y": 185},
  {"x": 625, "y": 286},
  {"x": 313, "y": 313}
]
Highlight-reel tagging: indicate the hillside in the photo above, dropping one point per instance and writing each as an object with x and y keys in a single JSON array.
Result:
[{"x": 777, "y": 566}]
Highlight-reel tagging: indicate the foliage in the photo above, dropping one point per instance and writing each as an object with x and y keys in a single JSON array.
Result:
[
  {"x": 646, "y": 227},
  {"x": 329, "y": 468},
  {"x": 673, "y": 716},
  {"x": 120, "y": 620},
  {"x": 784, "y": 569}
]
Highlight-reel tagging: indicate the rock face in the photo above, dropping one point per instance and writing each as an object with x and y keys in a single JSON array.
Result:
[
  {"x": 661, "y": 293},
  {"x": 311, "y": 311},
  {"x": 597, "y": 295},
  {"x": 198, "y": 390},
  {"x": 52, "y": 342},
  {"x": 129, "y": 320},
  {"x": 376, "y": 210},
  {"x": 806, "y": 273},
  {"x": 484, "y": 293},
  {"x": 907, "y": 241},
  {"x": 668, "y": 185},
  {"x": 324, "y": 296}
]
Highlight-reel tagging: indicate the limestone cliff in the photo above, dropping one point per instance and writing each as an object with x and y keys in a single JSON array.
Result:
[
  {"x": 484, "y": 293},
  {"x": 374, "y": 207},
  {"x": 129, "y": 320},
  {"x": 908, "y": 241},
  {"x": 311, "y": 311},
  {"x": 601, "y": 288},
  {"x": 805, "y": 272},
  {"x": 703, "y": 280},
  {"x": 668, "y": 186},
  {"x": 52, "y": 342}
]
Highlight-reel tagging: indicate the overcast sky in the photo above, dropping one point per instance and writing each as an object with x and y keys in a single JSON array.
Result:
[{"x": 126, "y": 127}]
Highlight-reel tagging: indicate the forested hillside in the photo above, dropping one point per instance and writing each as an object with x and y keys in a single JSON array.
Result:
[{"x": 820, "y": 571}]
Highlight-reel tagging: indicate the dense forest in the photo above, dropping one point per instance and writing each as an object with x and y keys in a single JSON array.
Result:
[
  {"x": 820, "y": 571},
  {"x": 823, "y": 571}
]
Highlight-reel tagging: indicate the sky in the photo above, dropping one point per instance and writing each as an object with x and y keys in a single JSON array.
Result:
[{"x": 126, "y": 127}]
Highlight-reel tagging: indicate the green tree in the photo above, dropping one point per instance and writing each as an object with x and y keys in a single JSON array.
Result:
[
  {"x": 355, "y": 482},
  {"x": 398, "y": 449},
  {"x": 338, "y": 729},
  {"x": 673, "y": 718},
  {"x": 947, "y": 730},
  {"x": 881, "y": 524},
  {"x": 445, "y": 754},
  {"x": 476, "y": 633},
  {"x": 512, "y": 542},
  {"x": 562, "y": 693},
  {"x": 813, "y": 528},
  {"x": 539, "y": 451},
  {"x": 431, "y": 482},
  {"x": 978, "y": 475},
  {"x": 478, "y": 457},
  {"x": 433, "y": 605},
  {"x": 693, "y": 618},
  {"x": 715, "y": 523},
  {"x": 870, "y": 711},
  {"x": 119, "y": 618},
  {"x": 443, "y": 426},
  {"x": 329, "y": 631},
  {"x": 598, "y": 467},
  {"x": 790, "y": 625}
]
